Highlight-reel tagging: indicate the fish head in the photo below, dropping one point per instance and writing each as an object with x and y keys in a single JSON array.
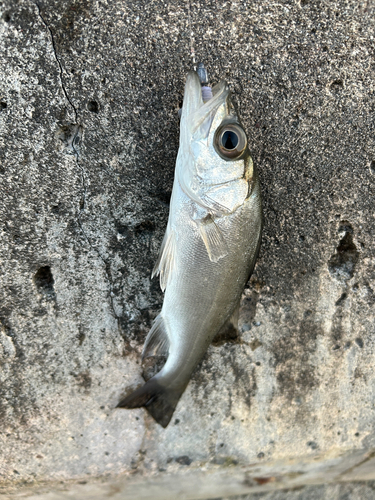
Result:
[{"x": 213, "y": 144}]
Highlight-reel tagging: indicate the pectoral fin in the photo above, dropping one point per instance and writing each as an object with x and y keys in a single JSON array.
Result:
[
  {"x": 213, "y": 238},
  {"x": 165, "y": 262},
  {"x": 157, "y": 341}
]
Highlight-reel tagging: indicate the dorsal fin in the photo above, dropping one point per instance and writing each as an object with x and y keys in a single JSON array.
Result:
[
  {"x": 165, "y": 261},
  {"x": 157, "y": 341}
]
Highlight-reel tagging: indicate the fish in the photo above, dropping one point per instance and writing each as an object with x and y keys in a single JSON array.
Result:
[{"x": 210, "y": 245}]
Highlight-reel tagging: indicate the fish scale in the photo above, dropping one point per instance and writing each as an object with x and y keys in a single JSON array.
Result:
[{"x": 210, "y": 246}]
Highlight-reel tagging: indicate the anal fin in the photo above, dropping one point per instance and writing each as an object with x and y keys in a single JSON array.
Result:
[
  {"x": 157, "y": 341},
  {"x": 213, "y": 238}
]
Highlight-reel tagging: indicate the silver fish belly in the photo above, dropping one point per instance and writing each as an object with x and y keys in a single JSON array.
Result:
[{"x": 209, "y": 248}]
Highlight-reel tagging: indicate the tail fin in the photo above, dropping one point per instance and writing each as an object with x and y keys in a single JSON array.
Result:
[{"x": 160, "y": 401}]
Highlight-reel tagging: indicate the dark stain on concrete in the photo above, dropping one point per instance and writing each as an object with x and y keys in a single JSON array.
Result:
[
  {"x": 295, "y": 372},
  {"x": 84, "y": 380}
]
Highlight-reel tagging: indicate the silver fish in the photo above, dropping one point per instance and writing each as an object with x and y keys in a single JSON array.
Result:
[{"x": 209, "y": 248}]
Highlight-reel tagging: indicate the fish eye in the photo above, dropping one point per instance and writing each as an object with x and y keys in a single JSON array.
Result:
[{"x": 230, "y": 141}]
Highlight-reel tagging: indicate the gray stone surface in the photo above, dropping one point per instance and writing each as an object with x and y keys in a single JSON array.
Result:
[
  {"x": 215, "y": 483},
  {"x": 89, "y": 94},
  {"x": 351, "y": 491}
]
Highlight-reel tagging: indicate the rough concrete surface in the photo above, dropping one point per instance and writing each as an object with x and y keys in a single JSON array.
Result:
[
  {"x": 89, "y": 95},
  {"x": 355, "y": 491}
]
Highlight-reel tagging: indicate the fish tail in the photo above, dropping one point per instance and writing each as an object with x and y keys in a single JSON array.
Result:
[{"x": 158, "y": 399}]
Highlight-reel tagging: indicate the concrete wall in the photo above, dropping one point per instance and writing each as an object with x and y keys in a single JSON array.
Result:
[{"x": 89, "y": 95}]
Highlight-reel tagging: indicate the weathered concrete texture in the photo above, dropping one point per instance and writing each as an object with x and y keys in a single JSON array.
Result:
[
  {"x": 215, "y": 483},
  {"x": 199, "y": 483},
  {"x": 89, "y": 94},
  {"x": 351, "y": 491}
]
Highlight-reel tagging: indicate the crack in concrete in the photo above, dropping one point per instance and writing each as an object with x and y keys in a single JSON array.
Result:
[
  {"x": 81, "y": 169},
  {"x": 58, "y": 62},
  {"x": 369, "y": 456}
]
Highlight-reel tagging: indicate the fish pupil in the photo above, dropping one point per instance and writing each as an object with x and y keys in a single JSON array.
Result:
[{"x": 229, "y": 140}]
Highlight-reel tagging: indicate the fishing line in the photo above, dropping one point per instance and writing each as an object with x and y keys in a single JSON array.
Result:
[
  {"x": 191, "y": 35},
  {"x": 200, "y": 69}
]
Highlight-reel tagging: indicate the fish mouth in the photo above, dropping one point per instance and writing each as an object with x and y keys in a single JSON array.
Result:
[{"x": 194, "y": 111}]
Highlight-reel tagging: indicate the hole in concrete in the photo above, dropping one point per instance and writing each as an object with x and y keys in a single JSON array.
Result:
[
  {"x": 312, "y": 445},
  {"x": 184, "y": 460},
  {"x": 337, "y": 85},
  {"x": 93, "y": 106},
  {"x": 359, "y": 342},
  {"x": 341, "y": 299},
  {"x": 342, "y": 264},
  {"x": 6, "y": 17},
  {"x": 44, "y": 281},
  {"x": 81, "y": 338},
  {"x": 55, "y": 209},
  {"x": 3, "y": 105}
]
